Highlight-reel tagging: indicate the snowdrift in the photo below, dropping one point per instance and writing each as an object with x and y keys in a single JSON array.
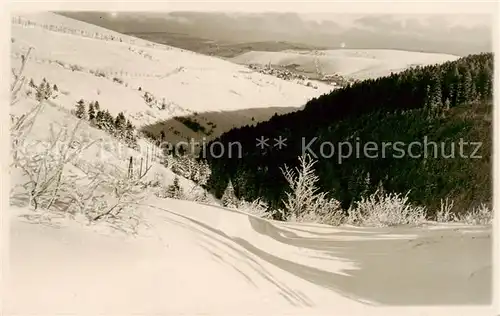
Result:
[{"x": 197, "y": 258}]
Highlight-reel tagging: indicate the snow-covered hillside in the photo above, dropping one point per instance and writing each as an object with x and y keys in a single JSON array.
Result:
[
  {"x": 351, "y": 63},
  {"x": 161, "y": 256},
  {"x": 83, "y": 61},
  {"x": 196, "y": 259},
  {"x": 192, "y": 258}
]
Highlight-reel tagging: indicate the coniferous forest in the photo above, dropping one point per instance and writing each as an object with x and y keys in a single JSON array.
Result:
[{"x": 447, "y": 104}]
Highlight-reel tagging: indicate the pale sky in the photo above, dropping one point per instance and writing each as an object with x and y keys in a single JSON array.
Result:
[{"x": 261, "y": 6}]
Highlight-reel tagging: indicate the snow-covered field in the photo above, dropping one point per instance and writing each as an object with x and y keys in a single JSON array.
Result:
[
  {"x": 352, "y": 63},
  {"x": 196, "y": 259},
  {"x": 183, "y": 80},
  {"x": 191, "y": 258}
]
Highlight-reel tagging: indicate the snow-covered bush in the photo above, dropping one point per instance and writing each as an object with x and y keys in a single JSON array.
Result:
[
  {"x": 304, "y": 202},
  {"x": 118, "y": 80},
  {"x": 56, "y": 179},
  {"x": 149, "y": 98},
  {"x": 43, "y": 164},
  {"x": 75, "y": 67},
  {"x": 480, "y": 215},
  {"x": 51, "y": 175},
  {"x": 202, "y": 196},
  {"x": 444, "y": 214},
  {"x": 188, "y": 167},
  {"x": 385, "y": 209},
  {"x": 258, "y": 208}
]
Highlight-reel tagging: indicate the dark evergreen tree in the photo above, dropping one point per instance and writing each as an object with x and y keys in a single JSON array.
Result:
[
  {"x": 80, "y": 109},
  {"x": 120, "y": 123},
  {"x": 108, "y": 121},
  {"x": 174, "y": 190},
  {"x": 99, "y": 119},
  {"x": 91, "y": 112},
  {"x": 48, "y": 90},
  {"x": 465, "y": 86},
  {"x": 433, "y": 96},
  {"x": 129, "y": 133}
]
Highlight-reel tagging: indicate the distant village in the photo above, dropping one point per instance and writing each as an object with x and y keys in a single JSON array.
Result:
[{"x": 290, "y": 75}]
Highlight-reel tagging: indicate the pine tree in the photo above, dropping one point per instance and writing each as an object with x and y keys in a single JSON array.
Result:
[
  {"x": 485, "y": 82},
  {"x": 433, "y": 96},
  {"x": 96, "y": 106},
  {"x": 32, "y": 83},
  {"x": 108, "y": 121},
  {"x": 174, "y": 190},
  {"x": 43, "y": 91},
  {"x": 55, "y": 88},
  {"x": 80, "y": 109},
  {"x": 99, "y": 119},
  {"x": 40, "y": 93},
  {"x": 91, "y": 112},
  {"x": 120, "y": 124},
  {"x": 229, "y": 198},
  {"x": 129, "y": 132},
  {"x": 454, "y": 86},
  {"x": 48, "y": 90},
  {"x": 464, "y": 86}
]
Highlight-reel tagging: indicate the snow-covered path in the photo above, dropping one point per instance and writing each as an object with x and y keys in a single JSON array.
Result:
[{"x": 200, "y": 259}]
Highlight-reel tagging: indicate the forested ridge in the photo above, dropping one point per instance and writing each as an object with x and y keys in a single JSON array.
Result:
[{"x": 447, "y": 104}]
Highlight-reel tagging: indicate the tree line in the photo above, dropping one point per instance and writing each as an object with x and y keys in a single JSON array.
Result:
[{"x": 118, "y": 126}]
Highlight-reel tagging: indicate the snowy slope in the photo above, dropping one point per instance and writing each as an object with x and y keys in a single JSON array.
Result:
[
  {"x": 352, "y": 63},
  {"x": 190, "y": 258},
  {"x": 198, "y": 259},
  {"x": 67, "y": 52}
]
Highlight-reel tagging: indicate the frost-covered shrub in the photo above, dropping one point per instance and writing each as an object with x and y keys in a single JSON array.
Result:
[
  {"x": 304, "y": 201},
  {"x": 385, "y": 209}
]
